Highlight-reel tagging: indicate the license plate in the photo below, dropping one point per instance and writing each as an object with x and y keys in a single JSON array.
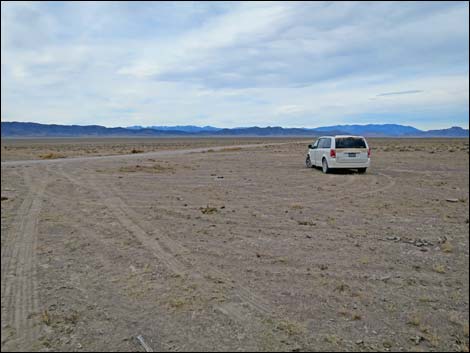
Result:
[{"x": 351, "y": 155}]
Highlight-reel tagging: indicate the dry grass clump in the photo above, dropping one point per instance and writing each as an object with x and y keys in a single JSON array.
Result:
[
  {"x": 414, "y": 320},
  {"x": 292, "y": 328},
  {"x": 209, "y": 210},
  {"x": 439, "y": 268},
  {"x": 51, "y": 155},
  {"x": 156, "y": 168},
  {"x": 447, "y": 247},
  {"x": 177, "y": 303},
  {"x": 45, "y": 318},
  {"x": 306, "y": 223},
  {"x": 355, "y": 316}
]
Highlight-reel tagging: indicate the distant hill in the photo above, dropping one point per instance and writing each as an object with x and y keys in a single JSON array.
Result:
[
  {"x": 44, "y": 130},
  {"x": 20, "y": 129},
  {"x": 375, "y": 130},
  {"x": 185, "y": 128},
  {"x": 269, "y": 131},
  {"x": 454, "y": 131},
  {"x": 394, "y": 130}
]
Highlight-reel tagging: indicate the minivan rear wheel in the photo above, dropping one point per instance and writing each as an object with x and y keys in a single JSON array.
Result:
[
  {"x": 324, "y": 165},
  {"x": 361, "y": 170}
]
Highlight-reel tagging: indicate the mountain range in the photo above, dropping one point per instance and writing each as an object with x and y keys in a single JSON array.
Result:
[
  {"x": 22, "y": 129},
  {"x": 186, "y": 128}
]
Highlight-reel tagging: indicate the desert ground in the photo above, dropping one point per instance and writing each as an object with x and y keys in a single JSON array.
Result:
[
  {"x": 233, "y": 244},
  {"x": 30, "y": 148}
]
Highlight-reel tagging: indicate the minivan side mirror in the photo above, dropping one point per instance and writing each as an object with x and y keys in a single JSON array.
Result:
[{"x": 310, "y": 146}]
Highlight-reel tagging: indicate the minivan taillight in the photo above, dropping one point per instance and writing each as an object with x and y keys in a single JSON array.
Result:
[
  {"x": 368, "y": 152},
  {"x": 332, "y": 153}
]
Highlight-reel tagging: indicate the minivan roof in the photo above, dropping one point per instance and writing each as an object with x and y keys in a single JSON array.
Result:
[
  {"x": 361, "y": 137},
  {"x": 342, "y": 136}
]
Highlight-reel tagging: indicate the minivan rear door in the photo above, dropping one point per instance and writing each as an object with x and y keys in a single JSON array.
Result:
[{"x": 351, "y": 150}]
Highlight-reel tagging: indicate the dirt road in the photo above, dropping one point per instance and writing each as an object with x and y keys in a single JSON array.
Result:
[{"x": 237, "y": 248}]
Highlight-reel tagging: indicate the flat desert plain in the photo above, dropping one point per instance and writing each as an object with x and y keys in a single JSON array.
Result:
[{"x": 233, "y": 244}]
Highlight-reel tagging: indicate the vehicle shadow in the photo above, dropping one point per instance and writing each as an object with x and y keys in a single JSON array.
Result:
[
  {"x": 344, "y": 171},
  {"x": 340, "y": 171}
]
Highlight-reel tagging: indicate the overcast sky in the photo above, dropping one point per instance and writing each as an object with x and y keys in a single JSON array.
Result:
[{"x": 236, "y": 64}]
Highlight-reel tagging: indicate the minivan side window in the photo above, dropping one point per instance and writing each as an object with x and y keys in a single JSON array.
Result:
[{"x": 324, "y": 143}]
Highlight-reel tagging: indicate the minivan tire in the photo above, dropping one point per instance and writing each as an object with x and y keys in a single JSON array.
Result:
[
  {"x": 361, "y": 170},
  {"x": 324, "y": 165}
]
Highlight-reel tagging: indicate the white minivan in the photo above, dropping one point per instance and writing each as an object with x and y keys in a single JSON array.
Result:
[{"x": 346, "y": 152}]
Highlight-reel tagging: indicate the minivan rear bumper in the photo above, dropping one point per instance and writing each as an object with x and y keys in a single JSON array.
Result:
[{"x": 332, "y": 163}]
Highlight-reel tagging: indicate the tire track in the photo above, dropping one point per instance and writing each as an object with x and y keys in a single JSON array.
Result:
[
  {"x": 126, "y": 216},
  {"x": 135, "y": 156},
  {"x": 6, "y": 236},
  {"x": 19, "y": 284},
  {"x": 175, "y": 247},
  {"x": 391, "y": 184},
  {"x": 112, "y": 202}
]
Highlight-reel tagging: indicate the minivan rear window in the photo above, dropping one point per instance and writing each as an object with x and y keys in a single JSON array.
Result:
[{"x": 350, "y": 142}]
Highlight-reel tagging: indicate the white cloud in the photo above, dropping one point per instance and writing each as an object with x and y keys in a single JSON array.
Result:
[{"x": 233, "y": 64}]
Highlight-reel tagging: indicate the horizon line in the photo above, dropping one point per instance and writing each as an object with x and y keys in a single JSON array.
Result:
[{"x": 238, "y": 127}]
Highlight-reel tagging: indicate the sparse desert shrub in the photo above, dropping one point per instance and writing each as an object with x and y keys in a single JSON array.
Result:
[
  {"x": 281, "y": 260},
  {"x": 51, "y": 155},
  {"x": 333, "y": 339},
  {"x": 45, "y": 317},
  {"x": 439, "y": 268},
  {"x": 156, "y": 168},
  {"x": 356, "y": 317},
  {"x": 306, "y": 223},
  {"x": 427, "y": 300},
  {"x": 291, "y": 328},
  {"x": 364, "y": 260},
  {"x": 136, "y": 151},
  {"x": 177, "y": 303},
  {"x": 431, "y": 337},
  {"x": 72, "y": 318},
  {"x": 342, "y": 287},
  {"x": 414, "y": 320},
  {"x": 208, "y": 210},
  {"x": 447, "y": 247}
]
